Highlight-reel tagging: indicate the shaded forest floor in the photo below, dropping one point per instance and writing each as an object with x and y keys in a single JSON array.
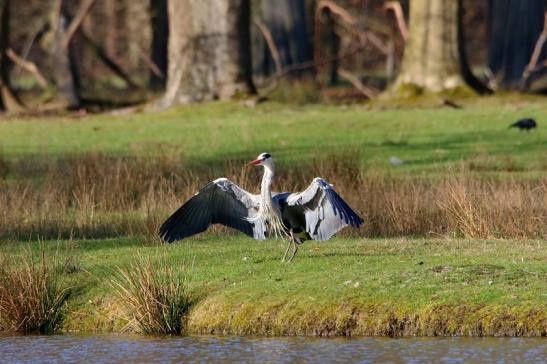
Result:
[{"x": 455, "y": 208}]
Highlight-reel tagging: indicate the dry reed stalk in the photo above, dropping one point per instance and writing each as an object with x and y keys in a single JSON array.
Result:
[
  {"x": 465, "y": 210},
  {"x": 97, "y": 196}
]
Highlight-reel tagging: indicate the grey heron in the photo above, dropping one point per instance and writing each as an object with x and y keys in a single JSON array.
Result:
[{"x": 316, "y": 213}]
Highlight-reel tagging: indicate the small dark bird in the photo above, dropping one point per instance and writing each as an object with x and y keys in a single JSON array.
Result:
[{"x": 524, "y": 124}]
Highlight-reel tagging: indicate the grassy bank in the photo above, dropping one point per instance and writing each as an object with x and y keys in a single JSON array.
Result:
[
  {"x": 342, "y": 287},
  {"x": 468, "y": 194}
]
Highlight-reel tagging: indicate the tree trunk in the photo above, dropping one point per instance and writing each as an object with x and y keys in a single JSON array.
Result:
[
  {"x": 287, "y": 20},
  {"x": 434, "y": 58},
  {"x": 63, "y": 70},
  {"x": 8, "y": 101},
  {"x": 334, "y": 45},
  {"x": 137, "y": 34},
  {"x": 160, "y": 35},
  {"x": 515, "y": 26},
  {"x": 109, "y": 20},
  {"x": 209, "y": 50}
]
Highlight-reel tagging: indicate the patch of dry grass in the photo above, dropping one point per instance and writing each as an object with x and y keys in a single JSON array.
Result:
[
  {"x": 96, "y": 196},
  {"x": 32, "y": 296},
  {"x": 155, "y": 295}
]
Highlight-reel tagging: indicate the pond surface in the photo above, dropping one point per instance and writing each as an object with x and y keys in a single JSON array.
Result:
[{"x": 133, "y": 348}]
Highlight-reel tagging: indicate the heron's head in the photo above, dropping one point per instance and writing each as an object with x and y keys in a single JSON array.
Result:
[{"x": 262, "y": 160}]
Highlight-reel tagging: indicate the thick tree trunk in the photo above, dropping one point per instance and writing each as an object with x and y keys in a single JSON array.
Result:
[
  {"x": 160, "y": 35},
  {"x": 109, "y": 20},
  {"x": 515, "y": 26},
  {"x": 138, "y": 34},
  {"x": 8, "y": 101},
  {"x": 209, "y": 50},
  {"x": 434, "y": 59}
]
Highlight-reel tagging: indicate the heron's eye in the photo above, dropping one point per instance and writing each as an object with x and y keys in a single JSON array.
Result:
[{"x": 266, "y": 156}]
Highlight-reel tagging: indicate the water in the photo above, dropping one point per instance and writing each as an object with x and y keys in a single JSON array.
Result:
[{"x": 137, "y": 349}]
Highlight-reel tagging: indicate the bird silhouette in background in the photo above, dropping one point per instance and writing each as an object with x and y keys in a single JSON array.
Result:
[
  {"x": 524, "y": 124},
  {"x": 316, "y": 213}
]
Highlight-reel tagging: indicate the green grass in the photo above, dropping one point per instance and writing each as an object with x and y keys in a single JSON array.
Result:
[
  {"x": 355, "y": 286},
  {"x": 425, "y": 138},
  {"x": 236, "y": 280}
]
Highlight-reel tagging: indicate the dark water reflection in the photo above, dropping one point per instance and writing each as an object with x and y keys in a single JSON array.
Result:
[{"x": 132, "y": 348}]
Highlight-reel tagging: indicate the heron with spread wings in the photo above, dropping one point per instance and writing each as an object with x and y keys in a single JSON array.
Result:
[{"x": 316, "y": 213}]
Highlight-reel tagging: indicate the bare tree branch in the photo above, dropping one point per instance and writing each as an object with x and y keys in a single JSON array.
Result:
[
  {"x": 271, "y": 45},
  {"x": 356, "y": 82},
  {"x": 152, "y": 66},
  {"x": 76, "y": 23},
  {"x": 8, "y": 99},
  {"x": 350, "y": 20},
  {"x": 534, "y": 59},
  {"x": 35, "y": 36},
  {"x": 395, "y": 6},
  {"x": 368, "y": 36},
  {"x": 101, "y": 53},
  {"x": 55, "y": 15},
  {"x": 28, "y": 66},
  {"x": 336, "y": 9},
  {"x": 273, "y": 81},
  {"x": 375, "y": 41}
]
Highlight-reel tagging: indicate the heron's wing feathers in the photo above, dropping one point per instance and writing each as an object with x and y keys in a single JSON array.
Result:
[
  {"x": 219, "y": 202},
  {"x": 325, "y": 211}
]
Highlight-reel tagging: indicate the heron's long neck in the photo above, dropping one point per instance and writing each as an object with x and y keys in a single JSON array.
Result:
[
  {"x": 266, "y": 186},
  {"x": 267, "y": 210}
]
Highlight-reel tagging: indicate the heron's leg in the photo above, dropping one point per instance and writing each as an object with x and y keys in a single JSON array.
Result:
[
  {"x": 287, "y": 250},
  {"x": 294, "y": 251},
  {"x": 291, "y": 240}
]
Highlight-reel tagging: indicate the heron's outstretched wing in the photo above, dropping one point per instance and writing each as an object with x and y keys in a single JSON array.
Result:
[
  {"x": 219, "y": 202},
  {"x": 325, "y": 211}
]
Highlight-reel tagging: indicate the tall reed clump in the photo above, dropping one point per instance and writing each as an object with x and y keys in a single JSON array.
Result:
[
  {"x": 155, "y": 295},
  {"x": 32, "y": 296}
]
